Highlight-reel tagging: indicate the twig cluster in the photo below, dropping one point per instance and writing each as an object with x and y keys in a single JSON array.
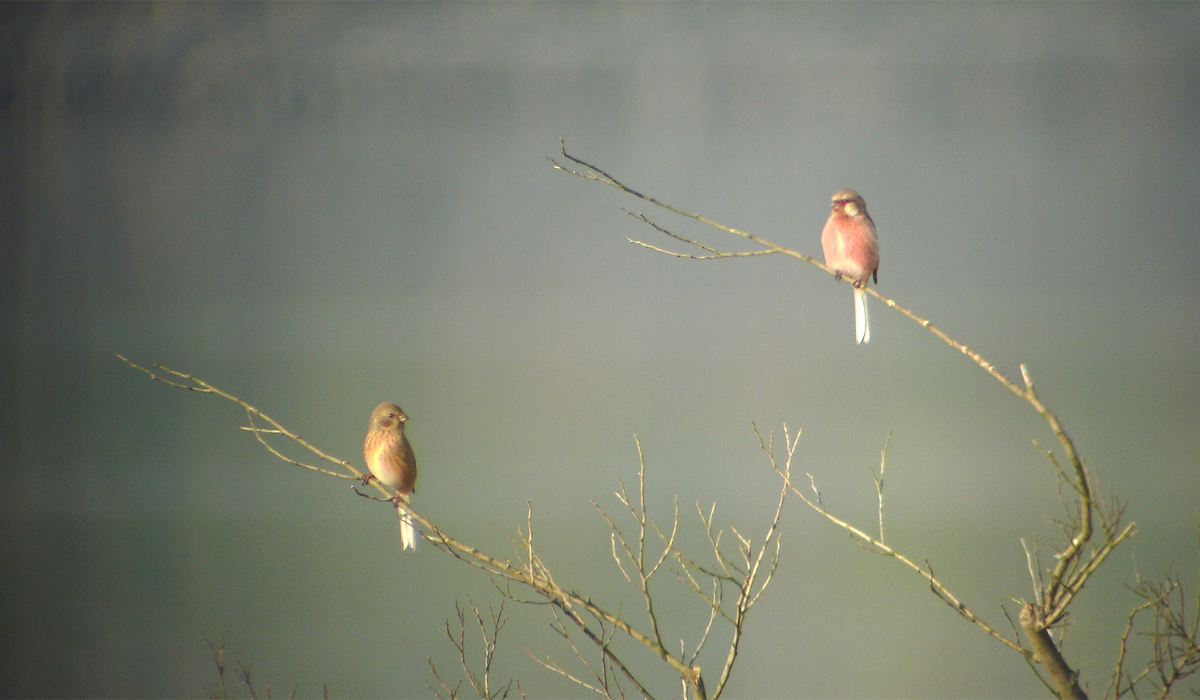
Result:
[
  {"x": 243, "y": 676},
  {"x": 1074, "y": 562},
  {"x": 1173, "y": 637},
  {"x": 639, "y": 557},
  {"x": 743, "y": 576},
  {"x": 732, "y": 577},
  {"x": 748, "y": 573},
  {"x": 480, "y": 681}
]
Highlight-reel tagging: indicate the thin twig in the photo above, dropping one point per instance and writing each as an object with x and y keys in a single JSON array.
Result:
[
  {"x": 879, "y": 547},
  {"x": 1075, "y": 563},
  {"x": 879, "y": 480}
]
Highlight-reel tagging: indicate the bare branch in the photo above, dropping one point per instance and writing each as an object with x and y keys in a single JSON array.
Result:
[
  {"x": 531, "y": 573},
  {"x": 450, "y": 693},
  {"x": 202, "y": 387},
  {"x": 591, "y": 172},
  {"x": 1074, "y": 564},
  {"x": 552, "y": 666},
  {"x": 878, "y": 478},
  {"x": 1173, "y": 637},
  {"x": 1035, "y": 572},
  {"x": 1066, "y": 681},
  {"x": 879, "y": 547},
  {"x": 759, "y": 571}
]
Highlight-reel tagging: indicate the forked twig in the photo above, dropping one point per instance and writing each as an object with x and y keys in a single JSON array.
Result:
[
  {"x": 1074, "y": 564},
  {"x": 879, "y": 547},
  {"x": 532, "y": 572},
  {"x": 481, "y": 682}
]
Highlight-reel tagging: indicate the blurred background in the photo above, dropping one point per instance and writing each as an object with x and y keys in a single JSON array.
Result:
[{"x": 318, "y": 207}]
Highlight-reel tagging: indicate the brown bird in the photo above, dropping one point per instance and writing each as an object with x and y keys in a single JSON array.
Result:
[
  {"x": 852, "y": 251},
  {"x": 390, "y": 458}
]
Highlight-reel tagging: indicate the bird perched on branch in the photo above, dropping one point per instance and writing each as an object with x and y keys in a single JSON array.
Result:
[
  {"x": 852, "y": 251},
  {"x": 390, "y": 458}
]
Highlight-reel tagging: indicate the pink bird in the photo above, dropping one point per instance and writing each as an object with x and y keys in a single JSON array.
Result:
[{"x": 852, "y": 251}]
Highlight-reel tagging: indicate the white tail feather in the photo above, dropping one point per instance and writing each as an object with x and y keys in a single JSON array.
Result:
[
  {"x": 862, "y": 324},
  {"x": 408, "y": 533}
]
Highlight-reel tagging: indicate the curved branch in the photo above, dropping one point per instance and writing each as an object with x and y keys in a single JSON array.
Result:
[
  {"x": 532, "y": 573},
  {"x": 1073, "y": 567},
  {"x": 877, "y": 546}
]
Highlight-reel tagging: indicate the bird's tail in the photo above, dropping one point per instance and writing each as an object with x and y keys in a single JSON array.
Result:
[
  {"x": 862, "y": 324},
  {"x": 408, "y": 532}
]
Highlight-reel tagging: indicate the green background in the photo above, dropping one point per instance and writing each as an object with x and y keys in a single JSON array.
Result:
[{"x": 318, "y": 207}]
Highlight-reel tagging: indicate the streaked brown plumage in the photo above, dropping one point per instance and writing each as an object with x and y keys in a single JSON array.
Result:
[{"x": 390, "y": 458}]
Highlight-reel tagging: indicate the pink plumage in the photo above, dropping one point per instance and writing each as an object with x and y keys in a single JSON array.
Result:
[{"x": 852, "y": 251}]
